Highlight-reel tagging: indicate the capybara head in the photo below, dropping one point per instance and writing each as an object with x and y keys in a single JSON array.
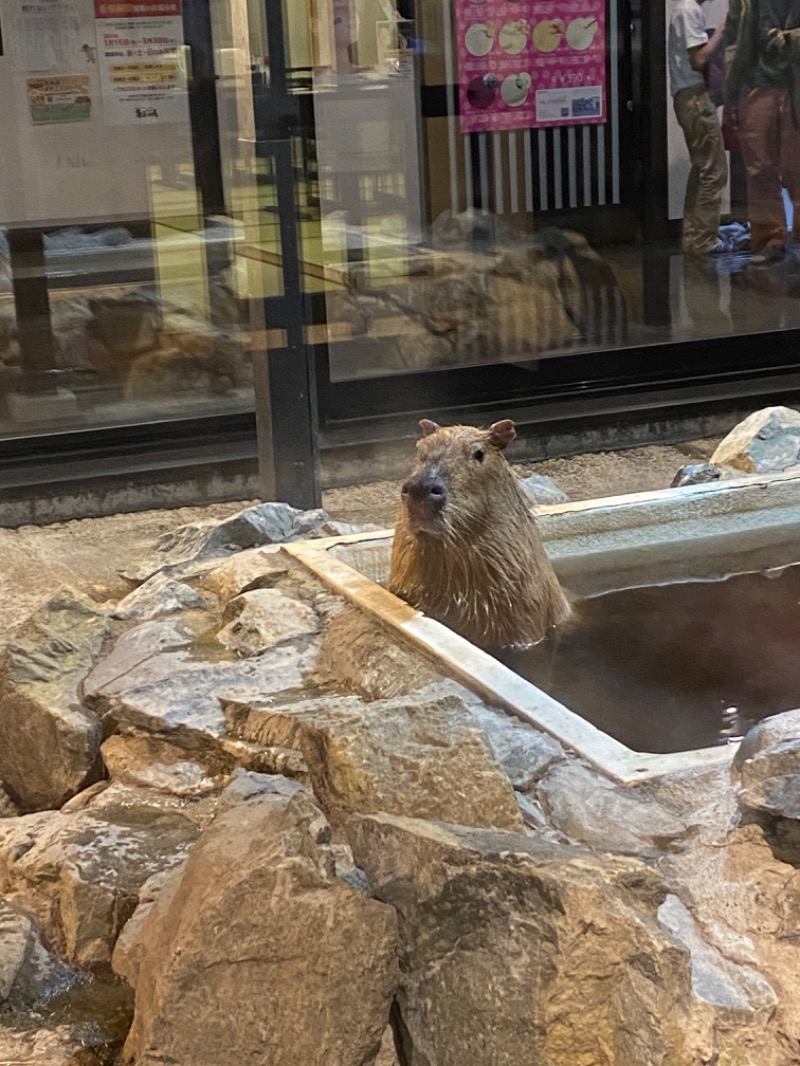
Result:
[
  {"x": 466, "y": 549},
  {"x": 454, "y": 483}
]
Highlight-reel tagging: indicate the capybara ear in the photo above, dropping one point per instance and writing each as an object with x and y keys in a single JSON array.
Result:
[
  {"x": 502, "y": 433},
  {"x": 428, "y": 427}
]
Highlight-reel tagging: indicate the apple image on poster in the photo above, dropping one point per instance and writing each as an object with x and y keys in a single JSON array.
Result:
[
  {"x": 548, "y": 34},
  {"x": 581, "y": 33}
]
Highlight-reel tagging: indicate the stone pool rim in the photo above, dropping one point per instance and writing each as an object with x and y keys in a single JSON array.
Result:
[{"x": 687, "y": 517}]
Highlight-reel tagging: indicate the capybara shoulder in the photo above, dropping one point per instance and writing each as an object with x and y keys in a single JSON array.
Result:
[{"x": 466, "y": 548}]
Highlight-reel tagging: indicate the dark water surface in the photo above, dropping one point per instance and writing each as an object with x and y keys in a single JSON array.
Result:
[{"x": 675, "y": 667}]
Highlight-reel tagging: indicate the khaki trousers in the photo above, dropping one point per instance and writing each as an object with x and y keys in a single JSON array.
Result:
[
  {"x": 708, "y": 174},
  {"x": 770, "y": 144}
]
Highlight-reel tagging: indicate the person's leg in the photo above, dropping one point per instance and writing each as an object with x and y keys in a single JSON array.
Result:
[
  {"x": 790, "y": 159},
  {"x": 759, "y": 138},
  {"x": 708, "y": 173}
]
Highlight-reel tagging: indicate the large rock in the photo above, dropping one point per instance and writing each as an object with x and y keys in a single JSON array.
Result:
[
  {"x": 771, "y": 781},
  {"x": 702, "y": 473},
  {"x": 517, "y": 951},
  {"x": 80, "y": 873},
  {"x": 255, "y": 952},
  {"x": 264, "y": 618},
  {"x": 177, "y": 694},
  {"x": 766, "y": 442},
  {"x": 411, "y": 756},
  {"x": 49, "y": 742},
  {"x": 361, "y": 656},
  {"x": 591, "y": 810},
  {"x": 744, "y": 902},
  {"x": 160, "y": 595},
  {"x": 267, "y": 523},
  {"x": 29, "y": 973}
]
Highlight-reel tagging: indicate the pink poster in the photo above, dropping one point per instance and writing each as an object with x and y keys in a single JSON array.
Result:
[{"x": 526, "y": 63}]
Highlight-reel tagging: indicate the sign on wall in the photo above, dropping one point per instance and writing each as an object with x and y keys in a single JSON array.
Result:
[
  {"x": 139, "y": 46},
  {"x": 526, "y": 63}
]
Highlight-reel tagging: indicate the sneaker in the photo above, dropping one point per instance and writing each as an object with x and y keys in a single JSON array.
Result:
[
  {"x": 719, "y": 248},
  {"x": 769, "y": 255}
]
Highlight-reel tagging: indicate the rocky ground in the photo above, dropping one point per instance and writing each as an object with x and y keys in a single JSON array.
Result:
[{"x": 243, "y": 825}]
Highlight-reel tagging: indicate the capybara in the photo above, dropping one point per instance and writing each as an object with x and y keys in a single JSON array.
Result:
[{"x": 466, "y": 548}]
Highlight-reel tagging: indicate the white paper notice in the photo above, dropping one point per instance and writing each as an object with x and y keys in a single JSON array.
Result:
[{"x": 46, "y": 34}]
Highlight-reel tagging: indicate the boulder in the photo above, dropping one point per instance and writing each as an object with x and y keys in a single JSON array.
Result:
[
  {"x": 766, "y": 442},
  {"x": 264, "y": 618},
  {"x": 160, "y": 595},
  {"x": 360, "y": 656},
  {"x": 254, "y": 951},
  {"x": 256, "y": 568},
  {"x": 521, "y": 951},
  {"x": 29, "y": 973},
  {"x": 145, "y": 761},
  {"x": 63, "y": 1045},
  {"x": 716, "y": 981},
  {"x": 590, "y": 810},
  {"x": 771, "y": 780},
  {"x": 49, "y": 742},
  {"x": 744, "y": 902},
  {"x": 266, "y": 523},
  {"x": 409, "y": 755},
  {"x": 701, "y": 473},
  {"x": 179, "y": 696},
  {"x": 79, "y": 873},
  {"x": 523, "y": 752}
]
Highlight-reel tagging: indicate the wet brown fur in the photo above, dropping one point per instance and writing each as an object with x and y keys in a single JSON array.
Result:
[{"x": 483, "y": 570}]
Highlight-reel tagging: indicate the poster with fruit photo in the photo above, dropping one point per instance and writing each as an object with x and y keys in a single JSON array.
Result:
[{"x": 525, "y": 63}]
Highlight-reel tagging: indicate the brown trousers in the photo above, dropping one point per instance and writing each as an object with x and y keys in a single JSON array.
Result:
[
  {"x": 708, "y": 173},
  {"x": 770, "y": 144}
]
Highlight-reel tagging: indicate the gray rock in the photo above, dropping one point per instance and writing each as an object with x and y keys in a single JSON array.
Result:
[
  {"x": 245, "y": 785},
  {"x": 254, "y": 569},
  {"x": 766, "y": 442},
  {"x": 29, "y": 973},
  {"x": 770, "y": 780},
  {"x": 63, "y": 1045},
  {"x": 523, "y": 752},
  {"x": 79, "y": 874},
  {"x": 142, "y": 654},
  {"x": 701, "y": 473},
  {"x": 8, "y": 808},
  {"x": 361, "y": 656},
  {"x": 543, "y": 490},
  {"x": 184, "y": 699},
  {"x": 49, "y": 742},
  {"x": 517, "y": 951},
  {"x": 408, "y": 755},
  {"x": 715, "y": 980},
  {"x": 145, "y": 761},
  {"x": 254, "y": 947},
  {"x": 591, "y": 810},
  {"x": 264, "y": 618},
  {"x": 158, "y": 596},
  {"x": 267, "y": 523},
  {"x": 766, "y": 734}
]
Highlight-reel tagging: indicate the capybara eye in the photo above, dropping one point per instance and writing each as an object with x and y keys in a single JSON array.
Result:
[{"x": 478, "y": 453}]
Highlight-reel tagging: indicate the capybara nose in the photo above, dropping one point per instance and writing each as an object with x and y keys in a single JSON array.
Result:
[{"x": 426, "y": 489}]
